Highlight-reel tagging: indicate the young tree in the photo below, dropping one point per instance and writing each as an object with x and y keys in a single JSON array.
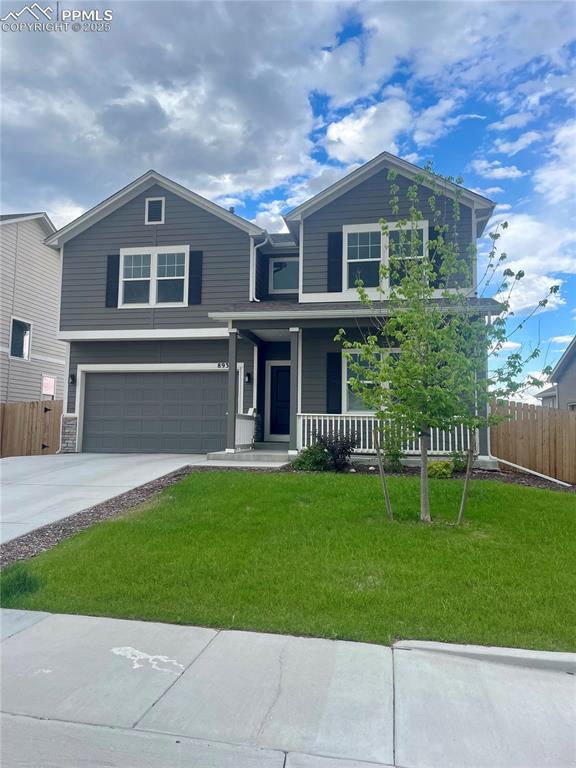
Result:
[{"x": 423, "y": 366}]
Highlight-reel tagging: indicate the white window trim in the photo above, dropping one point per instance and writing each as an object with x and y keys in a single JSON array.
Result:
[
  {"x": 15, "y": 357},
  {"x": 571, "y": 406},
  {"x": 83, "y": 369},
  {"x": 153, "y": 252},
  {"x": 344, "y": 396},
  {"x": 271, "y": 262},
  {"x": 154, "y": 199},
  {"x": 347, "y": 229}
]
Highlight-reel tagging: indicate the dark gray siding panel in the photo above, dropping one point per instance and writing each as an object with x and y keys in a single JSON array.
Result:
[
  {"x": 155, "y": 412},
  {"x": 215, "y": 351},
  {"x": 366, "y": 204},
  {"x": 226, "y": 265},
  {"x": 316, "y": 344}
]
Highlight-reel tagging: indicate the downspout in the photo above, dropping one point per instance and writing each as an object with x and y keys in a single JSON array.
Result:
[{"x": 254, "y": 259}]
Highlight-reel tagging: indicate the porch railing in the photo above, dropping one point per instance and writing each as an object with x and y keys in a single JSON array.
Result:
[
  {"x": 245, "y": 427},
  {"x": 311, "y": 424}
]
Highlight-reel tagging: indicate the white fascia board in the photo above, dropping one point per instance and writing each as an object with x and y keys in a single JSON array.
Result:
[
  {"x": 151, "y": 334},
  {"x": 44, "y": 218},
  {"x": 295, "y": 316},
  {"x": 135, "y": 188},
  {"x": 385, "y": 159},
  {"x": 557, "y": 370}
]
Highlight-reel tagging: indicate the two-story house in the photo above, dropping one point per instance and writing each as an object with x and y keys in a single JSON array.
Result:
[
  {"x": 192, "y": 329},
  {"x": 32, "y": 358}
]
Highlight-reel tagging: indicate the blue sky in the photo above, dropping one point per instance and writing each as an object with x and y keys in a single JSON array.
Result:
[{"x": 262, "y": 104}]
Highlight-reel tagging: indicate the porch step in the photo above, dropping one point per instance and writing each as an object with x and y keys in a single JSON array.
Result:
[{"x": 252, "y": 457}]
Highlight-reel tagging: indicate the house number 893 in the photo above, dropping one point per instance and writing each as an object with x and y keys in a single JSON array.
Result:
[{"x": 223, "y": 365}]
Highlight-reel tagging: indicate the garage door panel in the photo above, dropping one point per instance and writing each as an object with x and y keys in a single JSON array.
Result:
[{"x": 182, "y": 412}]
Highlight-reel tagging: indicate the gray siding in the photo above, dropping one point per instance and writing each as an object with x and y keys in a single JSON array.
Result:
[
  {"x": 209, "y": 351},
  {"x": 30, "y": 290},
  {"x": 226, "y": 265},
  {"x": 566, "y": 386},
  {"x": 316, "y": 343},
  {"x": 366, "y": 204}
]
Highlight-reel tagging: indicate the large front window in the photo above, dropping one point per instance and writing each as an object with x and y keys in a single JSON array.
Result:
[
  {"x": 366, "y": 247},
  {"x": 154, "y": 276},
  {"x": 352, "y": 401}
]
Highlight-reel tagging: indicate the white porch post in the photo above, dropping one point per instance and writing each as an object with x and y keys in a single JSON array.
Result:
[
  {"x": 232, "y": 390},
  {"x": 294, "y": 358}
]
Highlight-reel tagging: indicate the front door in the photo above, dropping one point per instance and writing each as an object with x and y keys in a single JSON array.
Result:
[{"x": 279, "y": 401}]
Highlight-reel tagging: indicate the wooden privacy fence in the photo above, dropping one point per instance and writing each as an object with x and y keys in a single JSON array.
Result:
[
  {"x": 30, "y": 429},
  {"x": 541, "y": 439}
]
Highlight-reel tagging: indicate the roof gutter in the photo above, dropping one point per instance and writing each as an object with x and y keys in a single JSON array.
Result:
[{"x": 253, "y": 256}]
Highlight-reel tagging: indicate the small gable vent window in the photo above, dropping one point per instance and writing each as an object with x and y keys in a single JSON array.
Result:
[{"x": 155, "y": 210}]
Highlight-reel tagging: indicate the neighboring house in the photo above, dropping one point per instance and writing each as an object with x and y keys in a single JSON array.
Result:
[
  {"x": 192, "y": 329},
  {"x": 562, "y": 393},
  {"x": 33, "y": 364}
]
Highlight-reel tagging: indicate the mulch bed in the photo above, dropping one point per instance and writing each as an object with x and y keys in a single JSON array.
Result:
[{"x": 33, "y": 543}]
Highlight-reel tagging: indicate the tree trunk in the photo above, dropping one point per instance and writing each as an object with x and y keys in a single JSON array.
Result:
[
  {"x": 424, "y": 496},
  {"x": 376, "y": 438},
  {"x": 469, "y": 462}
]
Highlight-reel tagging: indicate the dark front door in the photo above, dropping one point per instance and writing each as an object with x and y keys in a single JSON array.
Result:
[{"x": 280, "y": 400}]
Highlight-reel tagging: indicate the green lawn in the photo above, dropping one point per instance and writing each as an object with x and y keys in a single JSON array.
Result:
[{"x": 314, "y": 555}]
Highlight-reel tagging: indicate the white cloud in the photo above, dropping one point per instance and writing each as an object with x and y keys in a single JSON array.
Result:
[
  {"x": 62, "y": 212},
  {"x": 513, "y": 147},
  {"x": 561, "y": 339},
  {"x": 436, "y": 120},
  {"x": 365, "y": 133},
  {"x": 556, "y": 178},
  {"x": 542, "y": 248},
  {"x": 495, "y": 170},
  {"x": 515, "y": 120},
  {"x": 502, "y": 207},
  {"x": 487, "y": 191},
  {"x": 270, "y": 216}
]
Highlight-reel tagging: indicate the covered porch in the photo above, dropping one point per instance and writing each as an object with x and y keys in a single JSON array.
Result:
[{"x": 300, "y": 386}]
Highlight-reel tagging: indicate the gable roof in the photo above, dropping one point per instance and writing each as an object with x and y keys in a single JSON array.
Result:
[
  {"x": 565, "y": 360},
  {"x": 132, "y": 190},
  {"x": 44, "y": 219},
  {"x": 483, "y": 205}
]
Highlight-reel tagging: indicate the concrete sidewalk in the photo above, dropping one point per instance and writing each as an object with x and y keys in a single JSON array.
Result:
[{"x": 82, "y": 690}]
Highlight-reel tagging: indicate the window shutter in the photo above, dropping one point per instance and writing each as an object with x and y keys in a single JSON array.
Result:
[
  {"x": 334, "y": 262},
  {"x": 334, "y": 382},
  {"x": 195, "y": 278},
  {"x": 112, "y": 278}
]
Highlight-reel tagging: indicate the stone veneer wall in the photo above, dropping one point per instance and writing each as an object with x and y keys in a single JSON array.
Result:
[{"x": 68, "y": 434}]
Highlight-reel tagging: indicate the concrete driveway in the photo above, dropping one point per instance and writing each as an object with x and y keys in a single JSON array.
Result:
[
  {"x": 81, "y": 690},
  {"x": 36, "y": 490}
]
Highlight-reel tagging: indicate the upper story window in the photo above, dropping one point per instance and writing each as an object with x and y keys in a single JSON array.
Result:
[
  {"x": 154, "y": 210},
  {"x": 366, "y": 247},
  {"x": 20, "y": 338},
  {"x": 284, "y": 276},
  {"x": 154, "y": 276}
]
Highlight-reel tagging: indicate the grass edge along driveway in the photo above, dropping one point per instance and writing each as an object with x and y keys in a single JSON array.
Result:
[{"x": 312, "y": 554}]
